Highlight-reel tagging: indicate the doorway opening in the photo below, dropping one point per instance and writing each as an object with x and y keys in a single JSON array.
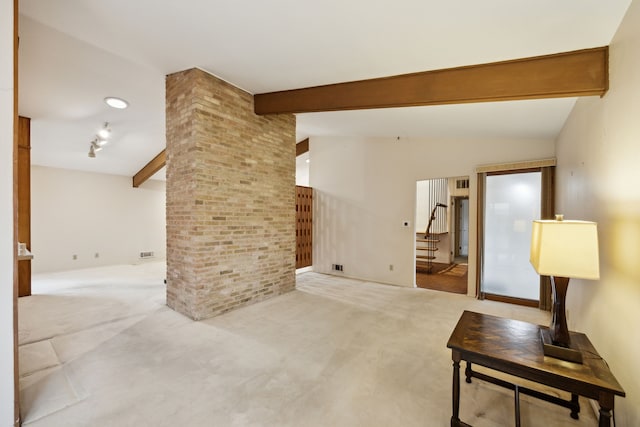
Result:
[
  {"x": 461, "y": 231},
  {"x": 442, "y": 234}
]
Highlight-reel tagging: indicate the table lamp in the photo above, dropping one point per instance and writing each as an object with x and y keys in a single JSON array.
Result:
[{"x": 563, "y": 249}]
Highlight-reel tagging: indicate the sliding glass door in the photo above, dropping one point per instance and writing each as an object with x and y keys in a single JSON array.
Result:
[{"x": 511, "y": 202}]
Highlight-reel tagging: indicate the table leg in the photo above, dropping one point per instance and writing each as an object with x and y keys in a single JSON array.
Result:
[
  {"x": 575, "y": 408},
  {"x": 468, "y": 372},
  {"x": 455, "y": 418},
  {"x": 517, "y": 404},
  {"x": 606, "y": 406},
  {"x": 605, "y": 418}
]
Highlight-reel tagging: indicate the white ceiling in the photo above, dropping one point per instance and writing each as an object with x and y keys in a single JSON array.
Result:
[{"x": 73, "y": 53}]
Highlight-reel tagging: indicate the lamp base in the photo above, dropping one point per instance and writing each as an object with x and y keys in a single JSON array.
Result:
[{"x": 570, "y": 354}]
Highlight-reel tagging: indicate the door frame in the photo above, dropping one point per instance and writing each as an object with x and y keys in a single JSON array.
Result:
[{"x": 547, "y": 211}]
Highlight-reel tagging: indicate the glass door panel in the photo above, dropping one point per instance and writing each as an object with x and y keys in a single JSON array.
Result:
[{"x": 512, "y": 202}]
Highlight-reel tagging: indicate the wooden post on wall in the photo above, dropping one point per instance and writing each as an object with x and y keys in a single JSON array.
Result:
[
  {"x": 24, "y": 203},
  {"x": 16, "y": 369},
  {"x": 304, "y": 226}
]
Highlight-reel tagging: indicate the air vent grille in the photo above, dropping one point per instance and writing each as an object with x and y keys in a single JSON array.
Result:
[{"x": 462, "y": 183}]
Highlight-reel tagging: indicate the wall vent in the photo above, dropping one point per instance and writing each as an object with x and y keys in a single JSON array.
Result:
[
  {"x": 462, "y": 183},
  {"x": 146, "y": 254}
]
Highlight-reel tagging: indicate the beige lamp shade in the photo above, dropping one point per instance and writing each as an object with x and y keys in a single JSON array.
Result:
[{"x": 565, "y": 249}]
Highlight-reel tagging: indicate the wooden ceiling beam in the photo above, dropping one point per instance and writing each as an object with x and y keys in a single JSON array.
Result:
[
  {"x": 568, "y": 74},
  {"x": 302, "y": 147},
  {"x": 157, "y": 163}
]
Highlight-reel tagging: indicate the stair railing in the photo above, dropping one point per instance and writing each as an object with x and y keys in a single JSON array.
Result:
[{"x": 432, "y": 244}]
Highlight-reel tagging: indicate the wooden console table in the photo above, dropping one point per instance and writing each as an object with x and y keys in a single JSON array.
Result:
[{"x": 514, "y": 347}]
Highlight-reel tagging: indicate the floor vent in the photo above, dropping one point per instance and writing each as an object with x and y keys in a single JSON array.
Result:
[{"x": 146, "y": 255}]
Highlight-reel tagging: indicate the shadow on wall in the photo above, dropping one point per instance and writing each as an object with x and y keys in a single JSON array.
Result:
[{"x": 348, "y": 234}]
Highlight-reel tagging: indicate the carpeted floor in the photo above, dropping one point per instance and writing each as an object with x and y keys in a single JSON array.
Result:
[
  {"x": 99, "y": 347},
  {"x": 444, "y": 277}
]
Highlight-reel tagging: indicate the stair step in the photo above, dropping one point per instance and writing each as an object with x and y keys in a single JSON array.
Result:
[
  {"x": 418, "y": 257},
  {"x": 421, "y": 248},
  {"x": 428, "y": 240}
]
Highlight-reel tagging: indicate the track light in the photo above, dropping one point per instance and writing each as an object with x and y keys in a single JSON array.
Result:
[
  {"x": 95, "y": 145},
  {"x": 105, "y": 132},
  {"x": 100, "y": 140}
]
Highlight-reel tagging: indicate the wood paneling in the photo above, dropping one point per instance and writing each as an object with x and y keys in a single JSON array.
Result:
[
  {"x": 16, "y": 385},
  {"x": 577, "y": 73},
  {"x": 157, "y": 163},
  {"x": 24, "y": 202},
  {"x": 516, "y": 166},
  {"x": 304, "y": 226}
]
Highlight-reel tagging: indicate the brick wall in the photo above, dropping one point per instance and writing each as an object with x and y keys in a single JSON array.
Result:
[{"x": 230, "y": 197}]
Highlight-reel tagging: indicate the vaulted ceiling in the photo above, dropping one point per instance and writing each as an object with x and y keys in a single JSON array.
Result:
[{"x": 74, "y": 53}]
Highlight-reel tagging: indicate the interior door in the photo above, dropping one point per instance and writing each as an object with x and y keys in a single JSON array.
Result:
[{"x": 462, "y": 227}]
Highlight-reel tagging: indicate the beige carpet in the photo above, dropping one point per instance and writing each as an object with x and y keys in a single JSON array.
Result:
[{"x": 100, "y": 348}]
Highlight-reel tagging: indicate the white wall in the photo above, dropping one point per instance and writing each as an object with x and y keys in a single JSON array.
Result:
[
  {"x": 6, "y": 214},
  {"x": 423, "y": 209},
  {"x": 366, "y": 187},
  {"x": 598, "y": 179},
  {"x": 80, "y": 213},
  {"x": 302, "y": 169}
]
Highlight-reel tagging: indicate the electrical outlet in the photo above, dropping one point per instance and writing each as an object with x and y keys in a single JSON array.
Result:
[
  {"x": 390, "y": 267},
  {"x": 74, "y": 256},
  {"x": 97, "y": 255}
]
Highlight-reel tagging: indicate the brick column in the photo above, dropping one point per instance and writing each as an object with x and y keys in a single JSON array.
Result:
[{"x": 230, "y": 197}]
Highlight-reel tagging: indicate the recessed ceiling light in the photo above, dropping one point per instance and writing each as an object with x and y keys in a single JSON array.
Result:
[{"x": 116, "y": 102}]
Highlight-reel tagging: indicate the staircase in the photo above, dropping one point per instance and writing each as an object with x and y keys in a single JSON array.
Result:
[
  {"x": 425, "y": 252},
  {"x": 427, "y": 245}
]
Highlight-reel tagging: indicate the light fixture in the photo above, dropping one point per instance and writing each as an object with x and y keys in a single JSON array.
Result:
[
  {"x": 95, "y": 144},
  {"x": 104, "y": 132},
  {"x": 100, "y": 140},
  {"x": 563, "y": 249},
  {"x": 118, "y": 103}
]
